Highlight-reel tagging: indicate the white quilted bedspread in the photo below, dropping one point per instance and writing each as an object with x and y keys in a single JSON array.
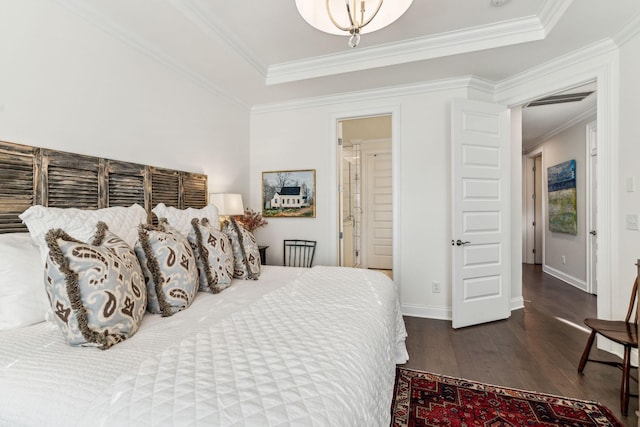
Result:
[{"x": 298, "y": 347}]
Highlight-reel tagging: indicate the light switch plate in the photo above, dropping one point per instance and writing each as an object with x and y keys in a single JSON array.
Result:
[{"x": 632, "y": 221}]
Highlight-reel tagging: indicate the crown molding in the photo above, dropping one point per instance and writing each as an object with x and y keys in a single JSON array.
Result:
[
  {"x": 468, "y": 82},
  {"x": 216, "y": 30},
  {"x": 628, "y": 32},
  {"x": 418, "y": 49},
  {"x": 115, "y": 30},
  {"x": 500, "y": 34},
  {"x": 481, "y": 85},
  {"x": 551, "y": 12},
  {"x": 581, "y": 57}
]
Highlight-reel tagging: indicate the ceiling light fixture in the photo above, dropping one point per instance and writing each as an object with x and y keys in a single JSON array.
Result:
[{"x": 352, "y": 16}]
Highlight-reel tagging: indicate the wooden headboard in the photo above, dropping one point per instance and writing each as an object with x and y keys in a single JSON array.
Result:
[{"x": 39, "y": 176}]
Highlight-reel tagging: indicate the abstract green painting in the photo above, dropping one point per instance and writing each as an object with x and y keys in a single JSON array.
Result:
[{"x": 563, "y": 215}]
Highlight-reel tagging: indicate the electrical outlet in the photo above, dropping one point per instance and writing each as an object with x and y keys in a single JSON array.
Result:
[
  {"x": 564, "y": 259},
  {"x": 435, "y": 287}
]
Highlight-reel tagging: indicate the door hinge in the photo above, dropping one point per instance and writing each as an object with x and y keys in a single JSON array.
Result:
[
  {"x": 533, "y": 196},
  {"x": 341, "y": 235},
  {"x": 533, "y": 168},
  {"x": 533, "y": 250},
  {"x": 533, "y": 223},
  {"x": 339, "y": 141}
]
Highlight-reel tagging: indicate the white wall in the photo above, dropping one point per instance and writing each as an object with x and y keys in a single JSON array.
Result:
[
  {"x": 67, "y": 85},
  {"x": 299, "y": 137},
  {"x": 628, "y": 166},
  {"x": 568, "y": 145}
]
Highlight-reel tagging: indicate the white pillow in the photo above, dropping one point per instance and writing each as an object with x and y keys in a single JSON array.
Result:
[
  {"x": 23, "y": 298},
  {"x": 81, "y": 223},
  {"x": 180, "y": 219}
]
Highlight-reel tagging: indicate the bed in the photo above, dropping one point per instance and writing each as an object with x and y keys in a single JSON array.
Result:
[{"x": 296, "y": 346}]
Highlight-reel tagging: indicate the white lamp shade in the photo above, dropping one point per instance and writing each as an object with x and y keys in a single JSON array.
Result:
[
  {"x": 315, "y": 13},
  {"x": 227, "y": 203}
]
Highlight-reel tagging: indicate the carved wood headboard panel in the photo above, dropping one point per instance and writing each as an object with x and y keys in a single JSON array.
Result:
[{"x": 32, "y": 175}]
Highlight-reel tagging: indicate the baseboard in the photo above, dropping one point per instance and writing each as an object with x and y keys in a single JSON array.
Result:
[
  {"x": 578, "y": 283},
  {"x": 517, "y": 303},
  {"x": 428, "y": 312}
]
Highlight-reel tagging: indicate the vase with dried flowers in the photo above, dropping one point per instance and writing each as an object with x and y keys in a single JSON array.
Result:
[{"x": 251, "y": 220}]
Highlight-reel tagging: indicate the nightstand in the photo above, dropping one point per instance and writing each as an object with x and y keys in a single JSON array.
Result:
[{"x": 263, "y": 254}]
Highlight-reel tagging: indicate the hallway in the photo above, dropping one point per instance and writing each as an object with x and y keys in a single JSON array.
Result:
[{"x": 537, "y": 349}]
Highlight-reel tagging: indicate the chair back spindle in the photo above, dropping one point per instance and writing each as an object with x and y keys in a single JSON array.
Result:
[{"x": 299, "y": 253}]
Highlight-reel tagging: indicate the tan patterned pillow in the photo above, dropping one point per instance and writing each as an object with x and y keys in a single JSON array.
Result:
[
  {"x": 214, "y": 256},
  {"x": 245, "y": 251},
  {"x": 169, "y": 268}
]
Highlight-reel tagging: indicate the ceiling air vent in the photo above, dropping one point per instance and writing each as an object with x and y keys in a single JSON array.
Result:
[{"x": 560, "y": 99}]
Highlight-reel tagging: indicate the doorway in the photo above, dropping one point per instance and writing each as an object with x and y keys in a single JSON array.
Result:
[
  {"x": 538, "y": 219},
  {"x": 557, "y": 129},
  {"x": 365, "y": 182},
  {"x": 533, "y": 204}
]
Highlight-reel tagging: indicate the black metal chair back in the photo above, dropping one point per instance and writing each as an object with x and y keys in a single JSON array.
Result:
[{"x": 299, "y": 253}]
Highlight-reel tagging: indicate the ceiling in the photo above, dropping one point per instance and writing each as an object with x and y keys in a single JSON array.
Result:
[
  {"x": 366, "y": 129},
  {"x": 261, "y": 52}
]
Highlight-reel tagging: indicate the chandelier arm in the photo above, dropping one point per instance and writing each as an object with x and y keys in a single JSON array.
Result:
[
  {"x": 372, "y": 16},
  {"x": 346, "y": 3},
  {"x": 333, "y": 20}
]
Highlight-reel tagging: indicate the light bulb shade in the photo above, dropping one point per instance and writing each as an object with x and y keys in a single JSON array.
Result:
[
  {"x": 227, "y": 203},
  {"x": 315, "y": 13}
]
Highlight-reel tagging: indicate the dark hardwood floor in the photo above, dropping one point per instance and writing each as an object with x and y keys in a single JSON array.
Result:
[{"x": 537, "y": 349}]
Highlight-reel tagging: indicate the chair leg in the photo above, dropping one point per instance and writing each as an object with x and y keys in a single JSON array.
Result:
[
  {"x": 585, "y": 353},
  {"x": 624, "y": 387}
]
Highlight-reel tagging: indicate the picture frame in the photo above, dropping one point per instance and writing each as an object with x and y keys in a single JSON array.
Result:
[
  {"x": 289, "y": 194},
  {"x": 562, "y": 195}
]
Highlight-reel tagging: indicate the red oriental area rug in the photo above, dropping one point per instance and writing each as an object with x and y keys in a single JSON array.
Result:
[{"x": 424, "y": 399}]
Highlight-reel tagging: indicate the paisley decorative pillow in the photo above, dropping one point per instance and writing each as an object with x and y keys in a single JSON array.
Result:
[
  {"x": 214, "y": 256},
  {"x": 169, "y": 268},
  {"x": 96, "y": 290},
  {"x": 245, "y": 251}
]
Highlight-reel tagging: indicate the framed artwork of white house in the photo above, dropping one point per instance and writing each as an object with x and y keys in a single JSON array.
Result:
[{"x": 290, "y": 193}]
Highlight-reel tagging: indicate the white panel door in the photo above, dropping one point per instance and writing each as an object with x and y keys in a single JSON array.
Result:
[
  {"x": 481, "y": 224},
  {"x": 379, "y": 211}
]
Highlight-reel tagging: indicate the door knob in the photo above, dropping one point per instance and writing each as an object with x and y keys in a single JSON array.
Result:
[
  {"x": 461, "y": 243},
  {"x": 593, "y": 232}
]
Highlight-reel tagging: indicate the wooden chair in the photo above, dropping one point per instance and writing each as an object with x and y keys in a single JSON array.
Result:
[
  {"x": 623, "y": 332},
  {"x": 299, "y": 253}
]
